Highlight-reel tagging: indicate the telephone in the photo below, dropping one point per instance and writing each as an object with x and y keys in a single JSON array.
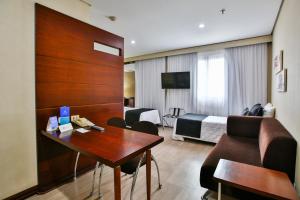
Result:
[{"x": 82, "y": 122}]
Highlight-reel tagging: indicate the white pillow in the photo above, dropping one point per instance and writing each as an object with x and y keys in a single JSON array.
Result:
[{"x": 269, "y": 110}]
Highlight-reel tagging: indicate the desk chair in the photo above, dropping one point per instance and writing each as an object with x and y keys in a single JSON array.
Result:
[
  {"x": 117, "y": 122},
  {"x": 114, "y": 121},
  {"x": 132, "y": 167},
  {"x": 173, "y": 113}
]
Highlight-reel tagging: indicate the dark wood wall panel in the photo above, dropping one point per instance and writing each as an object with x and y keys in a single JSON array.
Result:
[
  {"x": 75, "y": 38},
  {"x": 73, "y": 94},
  {"x": 77, "y": 72},
  {"x": 70, "y": 72}
]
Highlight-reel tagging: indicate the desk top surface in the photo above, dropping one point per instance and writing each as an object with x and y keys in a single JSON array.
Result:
[
  {"x": 254, "y": 179},
  {"x": 112, "y": 147}
]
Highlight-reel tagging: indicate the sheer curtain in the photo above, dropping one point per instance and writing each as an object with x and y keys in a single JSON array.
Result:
[
  {"x": 247, "y": 76},
  {"x": 210, "y": 93},
  {"x": 148, "y": 91},
  {"x": 222, "y": 82},
  {"x": 181, "y": 98}
]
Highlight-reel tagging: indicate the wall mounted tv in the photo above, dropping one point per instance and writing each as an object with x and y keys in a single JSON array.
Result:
[{"x": 175, "y": 80}]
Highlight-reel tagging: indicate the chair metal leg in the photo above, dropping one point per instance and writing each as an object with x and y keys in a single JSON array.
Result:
[
  {"x": 133, "y": 184},
  {"x": 219, "y": 191},
  {"x": 205, "y": 195},
  {"x": 157, "y": 169},
  {"x": 93, "y": 183},
  {"x": 165, "y": 120},
  {"x": 75, "y": 167},
  {"x": 135, "y": 176},
  {"x": 100, "y": 178}
]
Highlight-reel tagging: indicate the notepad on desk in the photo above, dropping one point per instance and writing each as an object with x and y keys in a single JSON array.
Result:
[{"x": 82, "y": 130}]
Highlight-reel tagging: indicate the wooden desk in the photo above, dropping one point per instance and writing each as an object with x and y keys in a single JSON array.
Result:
[
  {"x": 113, "y": 147},
  {"x": 262, "y": 181}
]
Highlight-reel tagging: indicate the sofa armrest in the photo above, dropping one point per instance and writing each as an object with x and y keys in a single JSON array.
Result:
[
  {"x": 243, "y": 126},
  {"x": 278, "y": 148}
]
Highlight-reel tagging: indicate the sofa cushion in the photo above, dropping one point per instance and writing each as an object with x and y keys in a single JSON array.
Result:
[
  {"x": 245, "y": 112},
  {"x": 239, "y": 149},
  {"x": 269, "y": 110},
  {"x": 277, "y": 147},
  {"x": 256, "y": 110}
]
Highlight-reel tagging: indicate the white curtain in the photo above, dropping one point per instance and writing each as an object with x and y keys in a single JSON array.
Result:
[
  {"x": 222, "y": 82},
  {"x": 181, "y": 98},
  {"x": 148, "y": 90},
  {"x": 247, "y": 76},
  {"x": 210, "y": 91}
]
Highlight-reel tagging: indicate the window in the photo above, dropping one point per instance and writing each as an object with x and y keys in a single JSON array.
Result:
[
  {"x": 211, "y": 85},
  {"x": 106, "y": 49}
]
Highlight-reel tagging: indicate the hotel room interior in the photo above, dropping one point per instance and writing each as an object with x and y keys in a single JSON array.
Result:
[{"x": 161, "y": 99}]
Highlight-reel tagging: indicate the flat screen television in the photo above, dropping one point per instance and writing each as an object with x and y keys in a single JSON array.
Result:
[{"x": 175, "y": 80}]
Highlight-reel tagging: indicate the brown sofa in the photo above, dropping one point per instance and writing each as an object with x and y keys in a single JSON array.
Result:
[{"x": 257, "y": 141}]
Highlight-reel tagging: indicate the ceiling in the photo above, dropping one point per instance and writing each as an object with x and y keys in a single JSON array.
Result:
[{"x": 161, "y": 25}]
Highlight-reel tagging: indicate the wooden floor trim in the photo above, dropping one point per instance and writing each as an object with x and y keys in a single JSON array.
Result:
[{"x": 24, "y": 194}]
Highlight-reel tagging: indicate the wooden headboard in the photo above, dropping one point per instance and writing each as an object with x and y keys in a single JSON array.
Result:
[{"x": 70, "y": 72}]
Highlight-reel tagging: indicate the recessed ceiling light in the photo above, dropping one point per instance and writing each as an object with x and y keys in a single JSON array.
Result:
[
  {"x": 201, "y": 25},
  {"x": 223, "y": 11},
  {"x": 132, "y": 42},
  {"x": 112, "y": 18}
]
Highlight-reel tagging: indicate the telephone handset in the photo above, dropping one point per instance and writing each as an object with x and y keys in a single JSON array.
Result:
[{"x": 82, "y": 122}]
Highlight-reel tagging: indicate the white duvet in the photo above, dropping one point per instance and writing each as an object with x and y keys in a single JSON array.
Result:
[
  {"x": 150, "y": 116},
  {"x": 212, "y": 128}
]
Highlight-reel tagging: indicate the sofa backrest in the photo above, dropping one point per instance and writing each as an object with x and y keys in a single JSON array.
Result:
[
  {"x": 244, "y": 126},
  {"x": 277, "y": 147}
]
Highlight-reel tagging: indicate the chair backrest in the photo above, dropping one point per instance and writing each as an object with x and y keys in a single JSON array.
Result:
[
  {"x": 145, "y": 127},
  {"x": 117, "y": 122},
  {"x": 175, "y": 111}
]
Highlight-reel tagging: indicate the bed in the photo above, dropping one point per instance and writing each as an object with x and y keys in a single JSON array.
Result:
[
  {"x": 132, "y": 115},
  {"x": 200, "y": 127}
]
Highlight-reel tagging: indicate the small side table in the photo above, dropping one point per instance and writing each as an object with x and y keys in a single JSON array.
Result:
[{"x": 258, "y": 180}]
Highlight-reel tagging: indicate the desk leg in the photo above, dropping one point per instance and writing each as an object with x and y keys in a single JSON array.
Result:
[
  {"x": 148, "y": 173},
  {"x": 219, "y": 191},
  {"x": 117, "y": 182}
]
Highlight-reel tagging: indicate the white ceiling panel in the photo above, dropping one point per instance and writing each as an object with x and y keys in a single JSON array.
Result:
[{"x": 160, "y": 25}]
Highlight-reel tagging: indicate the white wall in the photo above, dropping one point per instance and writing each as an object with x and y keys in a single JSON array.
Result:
[
  {"x": 18, "y": 161},
  {"x": 286, "y": 37}
]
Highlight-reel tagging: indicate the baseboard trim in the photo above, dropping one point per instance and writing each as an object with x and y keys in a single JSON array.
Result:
[
  {"x": 24, "y": 194},
  {"x": 42, "y": 190}
]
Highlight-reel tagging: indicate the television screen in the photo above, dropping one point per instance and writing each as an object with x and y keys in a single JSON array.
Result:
[{"x": 175, "y": 80}]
